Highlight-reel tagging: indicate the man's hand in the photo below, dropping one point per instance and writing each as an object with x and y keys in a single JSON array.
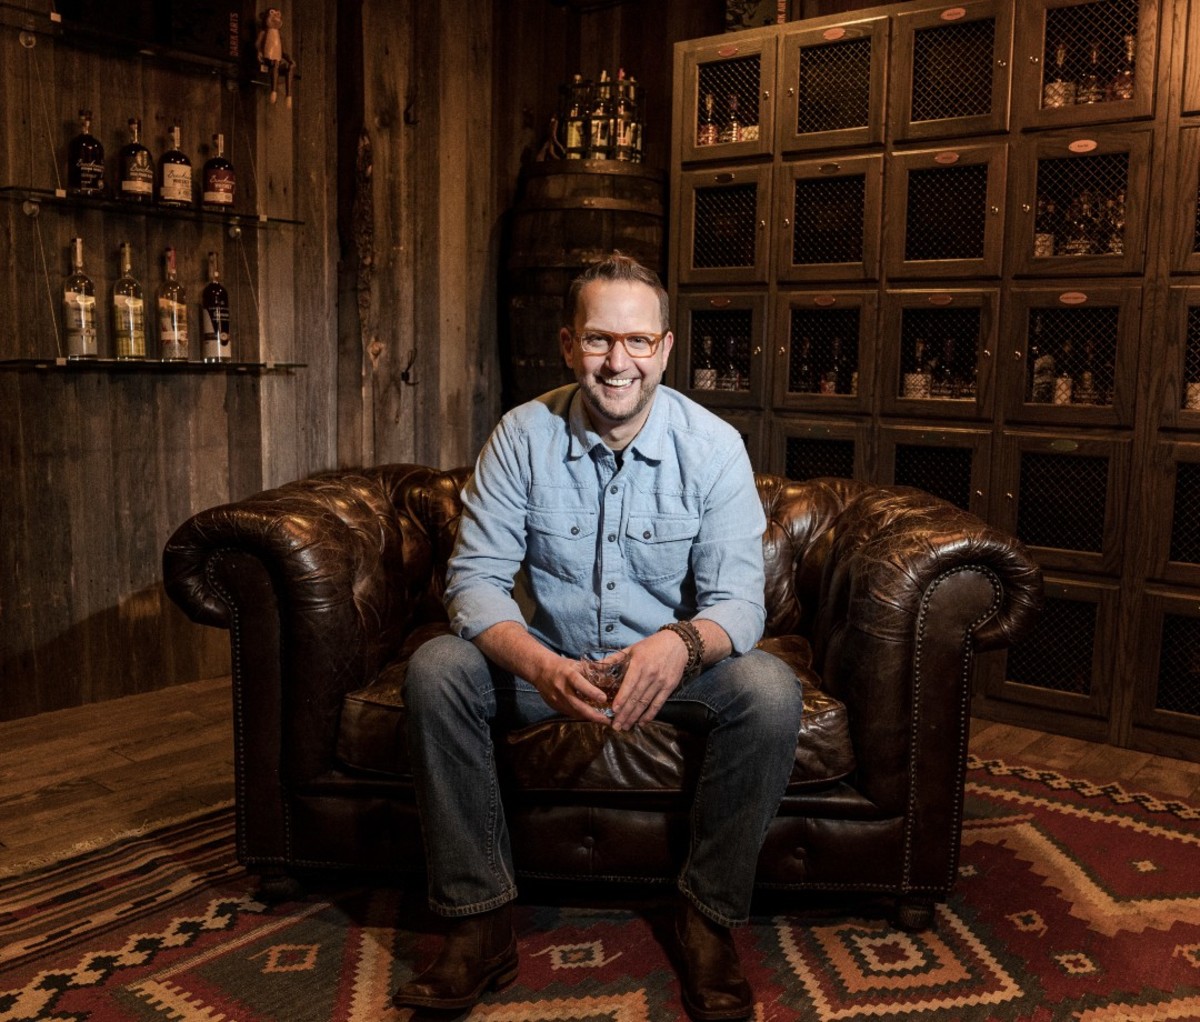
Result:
[
  {"x": 655, "y": 670},
  {"x": 566, "y": 689}
]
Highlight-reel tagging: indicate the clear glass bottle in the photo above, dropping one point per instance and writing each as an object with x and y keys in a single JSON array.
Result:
[
  {"x": 707, "y": 132},
  {"x": 128, "y": 311},
  {"x": 1122, "y": 84},
  {"x": 135, "y": 167},
  {"x": 174, "y": 174},
  {"x": 915, "y": 383},
  {"x": 1059, "y": 90},
  {"x": 1091, "y": 87},
  {"x": 732, "y": 131},
  {"x": 219, "y": 181},
  {"x": 172, "y": 314},
  {"x": 625, "y": 120},
  {"x": 704, "y": 369},
  {"x": 804, "y": 377},
  {"x": 575, "y": 118},
  {"x": 85, "y": 160},
  {"x": 214, "y": 315},
  {"x": 79, "y": 308},
  {"x": 600, "y": 122}
]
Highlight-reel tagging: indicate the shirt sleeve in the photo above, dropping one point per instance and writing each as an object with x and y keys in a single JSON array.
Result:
[
  {"x": 727, "y": 556},
  {"x": 490, "y": 546}
]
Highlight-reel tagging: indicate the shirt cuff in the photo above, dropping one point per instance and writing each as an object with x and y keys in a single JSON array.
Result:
[
  {"x": 743, "y": 622},
  {"x": 473, "y": 612}
]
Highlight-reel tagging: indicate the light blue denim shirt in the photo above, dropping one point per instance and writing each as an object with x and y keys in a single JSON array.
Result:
[{"x": 609, "y": 555}]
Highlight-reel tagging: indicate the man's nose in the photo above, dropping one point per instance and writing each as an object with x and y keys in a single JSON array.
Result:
[{"x": 618, "y": 357}]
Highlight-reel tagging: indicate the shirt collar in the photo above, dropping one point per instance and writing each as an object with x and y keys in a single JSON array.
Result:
[{"x": 648, "y": 443}]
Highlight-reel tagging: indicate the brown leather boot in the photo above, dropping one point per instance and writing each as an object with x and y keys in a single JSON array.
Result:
[
  {"x": 479, "y": 953},
  {"x": 711, "y": 979}
]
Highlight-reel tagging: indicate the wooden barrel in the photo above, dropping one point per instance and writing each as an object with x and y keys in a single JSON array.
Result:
[{"x": 570, "y": 213}]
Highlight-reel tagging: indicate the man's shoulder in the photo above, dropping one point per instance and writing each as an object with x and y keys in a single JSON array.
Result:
[
  {"x": 694, "y": 420},
  {"x": 548, "y": 411}
]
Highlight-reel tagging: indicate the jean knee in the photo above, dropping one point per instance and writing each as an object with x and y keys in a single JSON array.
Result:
[
  {"x": 442, "y": 667},
  {"x": 776, "y": 692}
]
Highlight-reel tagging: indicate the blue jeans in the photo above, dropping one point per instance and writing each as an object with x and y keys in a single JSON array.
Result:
[{"x": 454, "y": 695}]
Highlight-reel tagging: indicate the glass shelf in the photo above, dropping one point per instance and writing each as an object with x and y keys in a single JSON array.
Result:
[
  {"x": 37, "y": 197},
  {"x": 148, "y": 365}
]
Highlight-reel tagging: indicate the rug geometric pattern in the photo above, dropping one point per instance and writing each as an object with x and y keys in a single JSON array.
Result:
[{"x": 1075, "y": 901}]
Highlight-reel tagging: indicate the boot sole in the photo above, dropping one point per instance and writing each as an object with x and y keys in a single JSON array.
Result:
[{"x": 505, "y": 974}]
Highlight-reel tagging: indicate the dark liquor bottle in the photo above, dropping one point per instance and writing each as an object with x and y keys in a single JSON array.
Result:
[
  {"x": 135, "y": 167},
  {"x": 600, "y": 121},
  {"x": 625, "y": 120},
  {"x": 1080, "y": 227},
  {"x": 804, "y": 378},
  {"x": 85, "y": 160},
  {"x": 575, "y": 119},
  {"x": 707, "y": 132},
  {"x": 732, "y": 131},
  {"x": 1086, "y": 391},
  {"x": 1121, "y": 87},
  {"x": 79, "y": 308},
  {"x": 1059, "y": 90},
  {"x": 638, "y": 124},
  {"x": 916, "y": 381},
  {"x": 704, "y": 370},
  {"x": 172, "y": 315},
  {"x": 214, "y": 315},
  {"x": 836, "y": 378},
  {"x": 1041, "y": 387},
  {"x": 128, "y": 311},
  {"x": 174, "y": 174},
  {"x": 1091, "y": 87},
  {"x": 729, "y": 374},
  {"x": 942, "y": 385},
  {"x": 219, "y": 179}
]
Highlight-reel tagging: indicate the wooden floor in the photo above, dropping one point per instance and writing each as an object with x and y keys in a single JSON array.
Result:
[{"x": 76, "y": 778}]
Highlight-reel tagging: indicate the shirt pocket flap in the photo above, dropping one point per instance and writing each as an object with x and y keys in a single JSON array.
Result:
[
  {"x": 562, "y": 522},
  {"x": 662, "y": 528}
]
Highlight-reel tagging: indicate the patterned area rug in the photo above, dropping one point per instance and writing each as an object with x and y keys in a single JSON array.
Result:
[{"x": 1075, "y": 901}]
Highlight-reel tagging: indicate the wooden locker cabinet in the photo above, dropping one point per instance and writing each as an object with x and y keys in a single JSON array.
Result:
[
  {"x": 938, "y": 352},
  {"x": 804, "y": 448},
  {"x": 831, "y": 89},
  {"x": 1166, "y": 710},
  {"x": 1090, "y": 330},
  {"x": 827, "y": 219},
  {"x": 945, "y": 212},
  {"x": 951, "y": 462},
  {"x": 741, "y": 64},
  {"x": 1174, "y": 378},
  {"x": 811, "y": 328},
  {"x": 1098, "y": 182},
  {"x": 1174, "y": 500},
  {"x": 1043, "y": 24},
  {"x": 1185, "y": 183},
  {"x": 719, "y": 338},
  {"x": 722, "y": 225},
  {"x": 975, "y": 38}
]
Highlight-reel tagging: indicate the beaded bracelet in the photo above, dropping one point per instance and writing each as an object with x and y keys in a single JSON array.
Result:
[{"x": 694, "y": 642}]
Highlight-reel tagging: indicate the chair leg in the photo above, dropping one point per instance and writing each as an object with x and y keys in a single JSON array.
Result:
[
  {"x": 913, "y": 914},
  {"x": 274, "y": 888}
]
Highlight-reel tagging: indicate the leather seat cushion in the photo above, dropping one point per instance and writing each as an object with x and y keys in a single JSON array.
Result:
[{"x": 565, "y": 755}]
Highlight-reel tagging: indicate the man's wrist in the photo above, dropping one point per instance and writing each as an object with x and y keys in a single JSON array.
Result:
[{"x": 691, "y": 638}]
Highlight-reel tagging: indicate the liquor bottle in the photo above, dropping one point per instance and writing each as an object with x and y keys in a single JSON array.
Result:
[
  {"x": 1044, "y": 234},
  {"x": 1091, "y": 87},
  {"x": 1080, "y": 239},
  {"x": 835, "y": 379},
  {"x": 805, "y": 375},
  {"x": 1114, "y": 217},
  {"x": 916, "y": 381},
  {"x": 219, "y": 182},
  {"x": 624, "y": 120},
  {"x": 1064, "y": 382},
  {"x": 128, "y": 311},
  {"x": 732, "y": 131},
  {"x": 707, "y": 133},
  {"x": 1121, "y": 87},
  {"x": 575, "y": 119},
  {"x": 1059, "y": 90},
  {"x": 729, "y": 375},
  {"x": 704, "y": 372},
  {"x": 1041, "y": 389},
  {"x": 214, "y": 315},
  {"x": 135, "y": 167},
  {"x": 174, "y": 174},
  {"x": 172, "y": 315},
  {"x": 79, "y": 308},
  {"x": 1086, "y": 392},
  {"x": 600, "y": 121},
  {"x": 943, "y": 383},
  {"x": 85, "y": 160},
  {"x": 638, "y": 125}
]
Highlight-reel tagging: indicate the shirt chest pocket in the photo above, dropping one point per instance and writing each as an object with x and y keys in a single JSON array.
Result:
[
  {"x": 659, "y": 547},
  {"x": 562, "y": 543}
]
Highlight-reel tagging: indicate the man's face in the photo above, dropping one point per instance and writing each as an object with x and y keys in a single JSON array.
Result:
[{"x": 617, "y": 388}]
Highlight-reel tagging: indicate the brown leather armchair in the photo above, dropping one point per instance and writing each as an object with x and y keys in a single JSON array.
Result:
[{"x": 878, "y": 597}]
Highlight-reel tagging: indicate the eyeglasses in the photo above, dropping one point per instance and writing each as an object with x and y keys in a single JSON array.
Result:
[{"x": 600, "y": 342}]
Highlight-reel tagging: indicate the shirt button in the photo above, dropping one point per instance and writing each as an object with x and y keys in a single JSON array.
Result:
[
  {"x": 612, "y": 585},
  {"x": 612, "y": 537},
  {"x": 609, "y": 628},
  {"x": 574, "y": 530},
  {"x": 612, "y": 489},
  {"x": 646, "y": 534}
]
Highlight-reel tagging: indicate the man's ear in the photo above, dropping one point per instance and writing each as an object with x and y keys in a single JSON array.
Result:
[{"x": 566, "y": 341}]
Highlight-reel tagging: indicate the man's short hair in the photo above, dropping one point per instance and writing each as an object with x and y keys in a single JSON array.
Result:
[{"x": 617, "y": 267}]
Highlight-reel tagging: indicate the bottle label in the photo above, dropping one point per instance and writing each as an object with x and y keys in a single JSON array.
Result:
[
  {"x": 176, "y": 182},
  {"x": 575, "y": 142},
  {"x": 704, "y": 379},
  {"x": 79, "y": 315},
  {"x": 91, "y": 176},
  {"x": 219, "y": 186},
  {"x": 172, "y": 329},
  {"x": 137, "y": 174},
  {"x": 129, "y": 327},
  {"x": 214, "y": 333}
]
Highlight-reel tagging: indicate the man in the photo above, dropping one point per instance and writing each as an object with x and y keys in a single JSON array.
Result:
[{"x": 634, "y": 515}]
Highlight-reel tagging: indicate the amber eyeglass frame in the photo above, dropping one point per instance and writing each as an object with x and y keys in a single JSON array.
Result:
[{"x": 612, "y": 338}]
